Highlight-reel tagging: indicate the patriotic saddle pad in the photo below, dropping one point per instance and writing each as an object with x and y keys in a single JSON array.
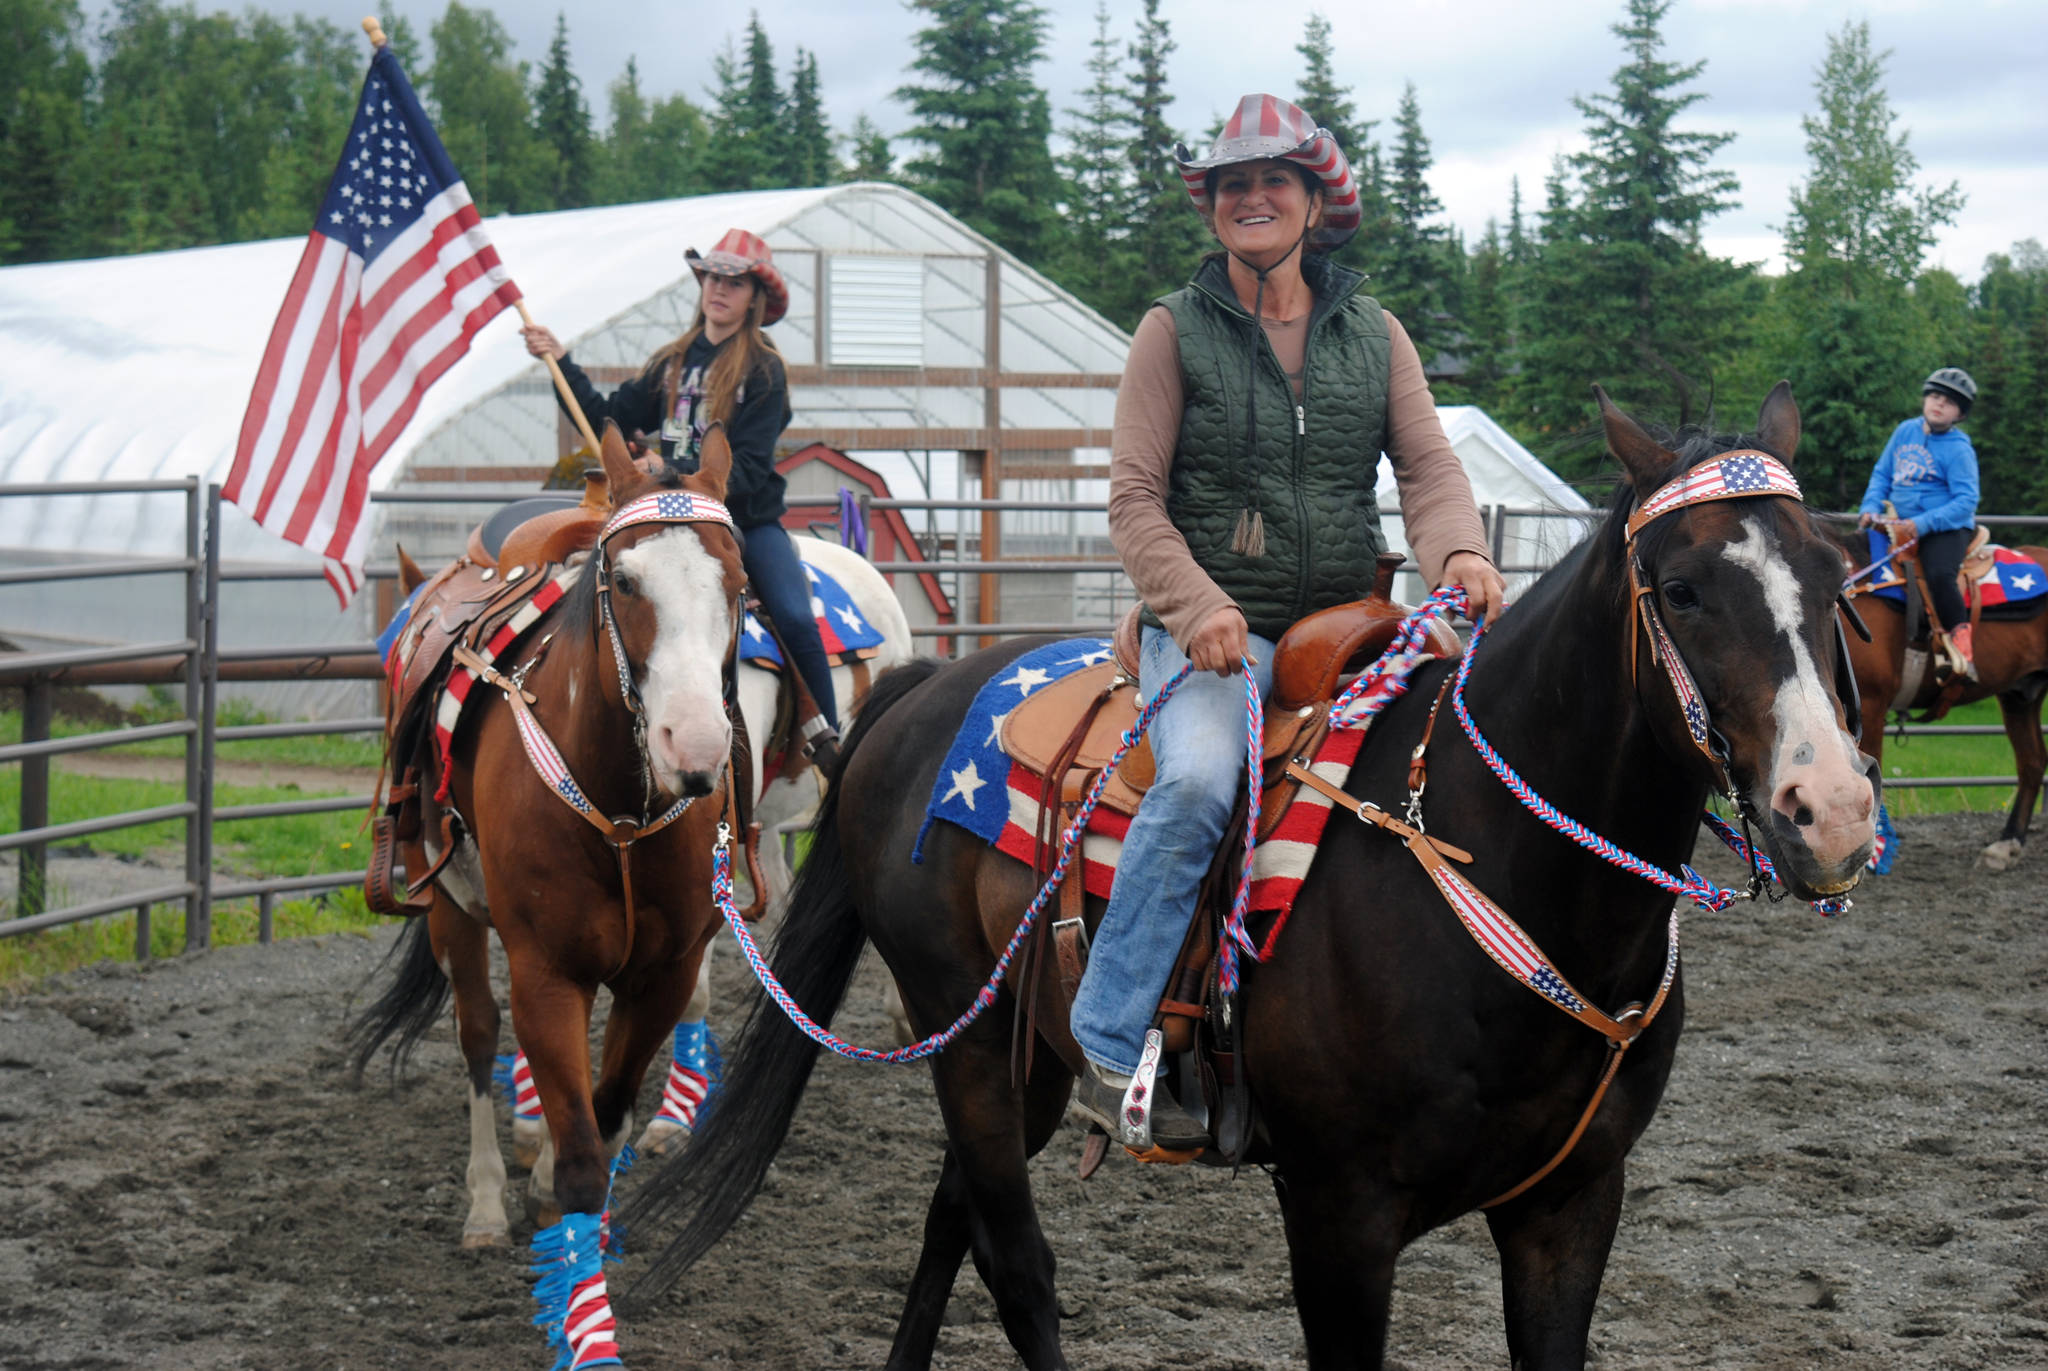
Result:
[
  {"x": 981, "y": 789},
  {"x": 462, "y": 682},
  {"x": 2013, "y": 578},
  {"x": 842, "y": 628}
]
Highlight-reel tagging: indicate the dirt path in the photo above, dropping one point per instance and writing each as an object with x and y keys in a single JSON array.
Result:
[{"x": 1850, "y": 1171}]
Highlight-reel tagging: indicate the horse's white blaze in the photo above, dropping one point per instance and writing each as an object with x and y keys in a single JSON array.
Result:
[
  {"x": 1814, "y": 762},
  {"x": 683, "y": 686}
]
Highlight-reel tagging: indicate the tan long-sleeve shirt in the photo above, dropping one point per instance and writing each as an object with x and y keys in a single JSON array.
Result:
[{"x": 1437, "y": 508}]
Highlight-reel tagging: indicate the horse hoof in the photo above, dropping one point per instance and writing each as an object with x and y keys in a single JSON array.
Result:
[
  {"x": 474, "y": 1238},
  {"x": 661, "y": 1135},
  {"x": 2003, "y": 855}
]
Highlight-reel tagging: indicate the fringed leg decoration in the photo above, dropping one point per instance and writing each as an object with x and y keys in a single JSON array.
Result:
[
  {"x": 693, "y": 1077},
  {"x": 1886, "y": 846},
  {"x": 529, "y": 1128},
  {"x": 575, "y": 1311}
]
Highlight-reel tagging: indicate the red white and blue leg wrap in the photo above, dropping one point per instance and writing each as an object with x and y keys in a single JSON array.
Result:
[
  {"x": 693, "y": 1076},
  {"x": 575, "y": 1310},
  {"x": 515, "y": 1077}
]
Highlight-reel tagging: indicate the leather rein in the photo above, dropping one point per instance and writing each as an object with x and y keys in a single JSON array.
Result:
[
  {"x": 620, "y": 832},
  {"x": 1732, "y": 475}
]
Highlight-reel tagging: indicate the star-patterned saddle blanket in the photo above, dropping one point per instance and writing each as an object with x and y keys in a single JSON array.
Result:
[
  {"x": 982, "y": 788},
  {"x": 1998, "y": 578},
  {"x": 847, "y": 635}
]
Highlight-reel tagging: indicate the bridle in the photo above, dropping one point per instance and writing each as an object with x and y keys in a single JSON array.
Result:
[
  {"x": 1741, "y": 474},
  {"x": 661, "y": 507},
  {"x": 620, "y": 832}
]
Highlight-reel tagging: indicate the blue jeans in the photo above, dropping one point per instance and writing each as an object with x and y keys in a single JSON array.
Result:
[
  {"x": 777, "y": 575},
  {"x": 1198, "y": 744}
]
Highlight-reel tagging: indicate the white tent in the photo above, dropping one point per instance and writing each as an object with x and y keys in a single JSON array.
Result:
[{"x": 1538, "y": 515}]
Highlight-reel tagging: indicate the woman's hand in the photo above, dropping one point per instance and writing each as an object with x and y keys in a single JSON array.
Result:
[
  {"x": 1219, "y": 644},
  {"x": 541, "y": 341},
  {"x": 1902, "y": 531},
  {"x": 1865, "y": 519},
  {"x": 1488, "y": 592}
]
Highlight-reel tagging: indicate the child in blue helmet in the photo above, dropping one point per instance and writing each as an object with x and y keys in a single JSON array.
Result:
[{"x": 1928, "y": 471}]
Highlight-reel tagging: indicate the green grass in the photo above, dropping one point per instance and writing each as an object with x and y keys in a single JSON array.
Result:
[
  {"x": 1990, "y": 755},
  {"x": 340, "y": 750},
  {"x": 26, "y": 960},
  {"x": 293, "y": 845}
]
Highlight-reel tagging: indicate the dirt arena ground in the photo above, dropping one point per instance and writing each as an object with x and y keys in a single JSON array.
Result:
[{"x": 1849, "y": 1171}]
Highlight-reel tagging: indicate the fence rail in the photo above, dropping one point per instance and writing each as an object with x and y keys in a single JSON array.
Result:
[{"x": 198, "y": 662}]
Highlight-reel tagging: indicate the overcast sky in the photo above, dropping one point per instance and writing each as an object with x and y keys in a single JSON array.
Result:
[{"x": 1495, "y": 79}]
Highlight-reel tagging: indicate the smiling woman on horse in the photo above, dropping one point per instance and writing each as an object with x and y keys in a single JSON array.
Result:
[
  {"x": 725, "y": 370},
  {"x": 1253, "y": 408}
]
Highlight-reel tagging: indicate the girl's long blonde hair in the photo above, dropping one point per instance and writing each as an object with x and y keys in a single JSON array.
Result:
[{"x": 745, "y": 354}]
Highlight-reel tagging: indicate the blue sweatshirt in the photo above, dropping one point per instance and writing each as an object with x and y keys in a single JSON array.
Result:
[{"x": 1930, "y": 478}]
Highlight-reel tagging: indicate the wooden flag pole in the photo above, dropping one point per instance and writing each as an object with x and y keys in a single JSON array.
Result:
[
  {"x": 562, "y": 389},
  {"x": 377, "y": 40}
]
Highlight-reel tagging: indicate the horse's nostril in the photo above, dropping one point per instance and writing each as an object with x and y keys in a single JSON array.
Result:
[{"x": 1803, "y": 817}]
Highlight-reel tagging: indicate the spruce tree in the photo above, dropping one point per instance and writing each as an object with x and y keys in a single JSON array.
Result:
[
  {"x": 984, "y": 121},
  {"x": 1854, "y": 239},
  {"x": 747, "y": 150},
  {"x": 1330, "y": 105},
  {"x": 1415, "y": 260},
  {"x": 1097, "y": 175},
  {"x": 1167, "y": 237},
  {"x": 561, "y": 121},
  {"x": 807, "y": 145},
  {"x": 1631, "y": 298},
  {"x": 872, "y": 160}
]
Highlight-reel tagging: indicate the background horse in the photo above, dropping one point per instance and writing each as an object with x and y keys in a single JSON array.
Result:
[
  {"x": 1399, "y": 1077},
  {"x": 2012, "y": 665}
]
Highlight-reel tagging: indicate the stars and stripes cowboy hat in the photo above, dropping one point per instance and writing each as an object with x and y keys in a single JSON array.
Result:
[
  {"x": 740, "y": 253},
  {"x": 1267, "y": 126}
]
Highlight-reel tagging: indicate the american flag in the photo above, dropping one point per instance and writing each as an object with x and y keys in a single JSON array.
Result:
[{"x": 397, "y": 277}]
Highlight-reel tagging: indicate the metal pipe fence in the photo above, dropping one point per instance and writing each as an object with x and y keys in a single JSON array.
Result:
[{"x": 199, "y": 663}]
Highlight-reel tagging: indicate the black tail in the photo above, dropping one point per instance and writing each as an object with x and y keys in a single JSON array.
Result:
[
  {"x": 410, "y": 1006},
  {"x": 716, "y": 1176}
]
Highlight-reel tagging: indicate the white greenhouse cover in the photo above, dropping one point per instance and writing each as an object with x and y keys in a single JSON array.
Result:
[{"x": 139, "y": 368}]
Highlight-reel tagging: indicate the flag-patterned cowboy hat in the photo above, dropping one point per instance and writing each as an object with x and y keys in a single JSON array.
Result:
[
  {"x": 740, "y": 253},
  {"x": 1267, "y": 126}
]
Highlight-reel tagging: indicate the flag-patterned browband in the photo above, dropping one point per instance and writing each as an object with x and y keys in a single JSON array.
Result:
[
  {"x": 1731, "y": 476},
  {"x": 667, "y": 507}
]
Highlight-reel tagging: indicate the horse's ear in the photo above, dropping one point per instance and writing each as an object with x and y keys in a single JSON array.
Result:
[
  {"x": 1643, "y": 457},
  {"x": 619, "y": 471},
  {"x": 410, "y": 577},
  {"x": 714, "y": 463},
  {"x": 1777, "y": 423}
]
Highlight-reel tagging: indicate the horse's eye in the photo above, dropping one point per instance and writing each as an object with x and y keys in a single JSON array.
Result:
[
  {"x": 1679, "y": 595},
  {"x": 624, "y": 583}
]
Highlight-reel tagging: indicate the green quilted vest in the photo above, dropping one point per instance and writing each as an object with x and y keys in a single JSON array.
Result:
[{"x": 1316, "y": 464}]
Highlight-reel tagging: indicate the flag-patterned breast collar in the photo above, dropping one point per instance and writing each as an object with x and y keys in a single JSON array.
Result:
[
  {"x": 667, "y": 507},
  {"x": 1730, "y": 476}
]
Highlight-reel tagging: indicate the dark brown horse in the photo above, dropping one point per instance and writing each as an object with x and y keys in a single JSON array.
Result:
[
  {"x": 2012, "y": 666},
  {"x": 1400, "y": 1078},
  {"x": 627, "y": 678}
]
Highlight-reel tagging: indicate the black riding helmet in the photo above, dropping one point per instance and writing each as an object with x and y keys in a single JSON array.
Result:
[{"x": 1953, "y": 382}]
